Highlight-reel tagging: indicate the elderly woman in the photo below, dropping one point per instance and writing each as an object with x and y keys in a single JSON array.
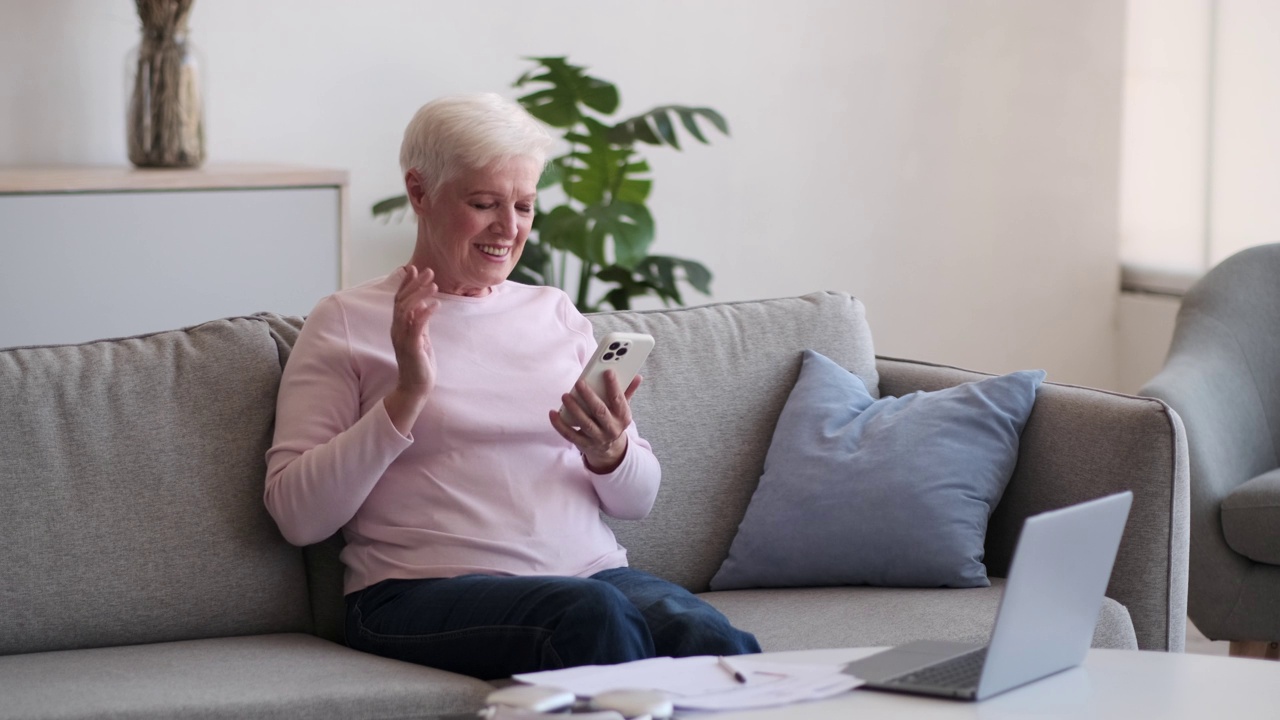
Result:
[{"x": 418, "y": 414}]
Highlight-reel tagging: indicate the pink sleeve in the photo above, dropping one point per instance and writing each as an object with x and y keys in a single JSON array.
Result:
[
  {"x": 326, "y": 457},
  {"x": 629, "y": 491}
]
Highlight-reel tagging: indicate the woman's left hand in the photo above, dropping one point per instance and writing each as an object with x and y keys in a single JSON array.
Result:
[{"x": 601, "y": 423}]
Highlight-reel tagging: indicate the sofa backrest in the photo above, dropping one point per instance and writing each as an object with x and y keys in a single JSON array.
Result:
[
  {"x": 713, "y": 388},
  {"x": 131, "y": 474}
]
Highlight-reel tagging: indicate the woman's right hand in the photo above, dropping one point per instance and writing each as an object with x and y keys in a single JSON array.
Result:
[{"x": 415, "y": 303}]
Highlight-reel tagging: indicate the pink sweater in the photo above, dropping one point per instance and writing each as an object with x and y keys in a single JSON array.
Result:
[{"x": 483, "y": 483}]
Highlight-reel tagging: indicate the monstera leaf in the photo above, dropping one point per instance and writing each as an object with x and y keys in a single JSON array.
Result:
[{"x": 570, "y": 87}]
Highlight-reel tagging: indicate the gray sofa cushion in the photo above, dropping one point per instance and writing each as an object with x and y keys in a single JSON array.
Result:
[
  {"x": 265, "y": 676},
  {"x": 803, "y": 618},
  {"x": 714, "y": 386},
  {"x": 132, "y": 482},
  {"x": 1251, "y": 518}
]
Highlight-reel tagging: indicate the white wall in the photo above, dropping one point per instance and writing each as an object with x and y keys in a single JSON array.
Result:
[
  {"x": 1145, "y": 332},
  {"x": 953, "y": 163}
]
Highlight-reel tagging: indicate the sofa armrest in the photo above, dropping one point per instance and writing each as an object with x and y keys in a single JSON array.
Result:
[{"x": 1081, "y": 443}]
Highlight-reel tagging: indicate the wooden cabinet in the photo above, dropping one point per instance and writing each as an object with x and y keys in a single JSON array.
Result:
[{"x": 89, "y": 253}]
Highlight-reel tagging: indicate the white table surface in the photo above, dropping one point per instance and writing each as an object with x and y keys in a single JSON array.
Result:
[{"x": 1119, "y": 684}]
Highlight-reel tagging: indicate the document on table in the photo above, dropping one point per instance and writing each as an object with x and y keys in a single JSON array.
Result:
[{"x": 704, "y": 682}]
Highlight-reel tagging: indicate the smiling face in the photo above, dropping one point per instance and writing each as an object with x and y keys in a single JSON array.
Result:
[{"x": 472, "y": 230}]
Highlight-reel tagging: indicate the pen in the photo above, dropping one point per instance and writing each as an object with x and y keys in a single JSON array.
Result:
[{"x": 729, "y": 668}]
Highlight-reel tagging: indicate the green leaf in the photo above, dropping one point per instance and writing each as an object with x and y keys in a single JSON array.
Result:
[
  {"x": 526, "y": 273},
  {"x": 564, "y": 229},
  {"x": 534, "y": 265},
  {"x": 649, "y": 271},
  {"x": 544, "y": 62},
  {"x": 552, "y": 174},
  {"x": 687, "y": 118},
  {"x": 524, "y": 276},
  {"x": 666, "y": 272},
  {"x": 660, "y": 271},
  {"x": 390, "y": 205},
  {"x": 599, "y": 95},
  {"x": 530, "y": 77},
  {"x": 547, "y": 59},
  {"x": 554, "y": 107},
  {"x": 628, "y": 132},
  {"x": 668, "y": 132},
  {"x": 629, "y": 285},
  {"x": 637, "y": 128},
  {"x": 615, "y": 274},
  {"x": 716, "y": 118},
  {"x": 628, "y": 225},
  {"x": 570, "y": 87},
  {"x": 585, "y": 180},
  {"x": 697, "y": 274},
  {"x": 634, "y": 191},
  {"x": 596, "y": 166},
  {"x": 619, "y": 298}
]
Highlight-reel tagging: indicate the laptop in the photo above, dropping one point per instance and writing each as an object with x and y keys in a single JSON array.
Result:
[{"x": 1046, "y": 617}]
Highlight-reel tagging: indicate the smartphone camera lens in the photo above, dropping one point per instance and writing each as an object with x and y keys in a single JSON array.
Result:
[
  {"x": 609, "y": 355},
  {"x": 622, "y": 351},
  {"x": 614, "y": 345}
]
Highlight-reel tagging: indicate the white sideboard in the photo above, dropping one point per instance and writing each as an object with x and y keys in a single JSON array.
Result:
[{"x": 97, "y": 252}]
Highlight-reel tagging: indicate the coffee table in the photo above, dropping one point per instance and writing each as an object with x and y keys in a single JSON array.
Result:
[{"x": 1119, "y": 684}]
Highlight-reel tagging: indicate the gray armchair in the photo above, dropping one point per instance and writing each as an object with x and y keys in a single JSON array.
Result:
[{"x": 1222, "y": 375}]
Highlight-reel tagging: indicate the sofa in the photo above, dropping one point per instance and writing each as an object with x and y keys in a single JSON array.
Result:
[{"x": 144, "y": 578}]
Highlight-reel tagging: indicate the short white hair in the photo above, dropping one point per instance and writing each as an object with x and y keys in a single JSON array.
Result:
[{"x": 457, "y": 132}]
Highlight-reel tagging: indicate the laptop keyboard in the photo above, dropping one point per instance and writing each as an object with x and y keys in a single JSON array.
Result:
[{"x": 958, "y": 673}]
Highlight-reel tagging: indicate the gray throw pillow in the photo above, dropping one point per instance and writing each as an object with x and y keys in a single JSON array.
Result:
[{"x": 889, "y": 492}]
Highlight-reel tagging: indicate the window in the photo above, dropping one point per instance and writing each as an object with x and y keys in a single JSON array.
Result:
[{"x": 1201, "y": 130}]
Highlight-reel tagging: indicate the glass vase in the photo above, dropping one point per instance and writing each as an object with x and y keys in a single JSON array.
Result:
[{"x": 165, "y": 124}]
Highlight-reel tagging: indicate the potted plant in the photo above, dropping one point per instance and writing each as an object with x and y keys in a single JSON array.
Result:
[{"x": 603, "y": 221}]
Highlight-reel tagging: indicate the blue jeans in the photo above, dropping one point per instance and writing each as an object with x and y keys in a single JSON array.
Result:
[{"x": 493, "y": 627}]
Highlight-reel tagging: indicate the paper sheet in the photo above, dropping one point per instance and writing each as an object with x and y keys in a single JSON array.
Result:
[
  {"x": 781, "y": 692},
  {"x": 704, "y": 683}
]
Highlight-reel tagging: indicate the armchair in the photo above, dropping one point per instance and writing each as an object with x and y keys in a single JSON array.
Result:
[{"x": 1222, "y": 376}]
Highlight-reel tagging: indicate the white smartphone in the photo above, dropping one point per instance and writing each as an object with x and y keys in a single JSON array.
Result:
[{"x": 621, "y": 352}]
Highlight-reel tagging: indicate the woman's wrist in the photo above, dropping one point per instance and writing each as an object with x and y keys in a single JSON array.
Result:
[
  {"x": 403, "y": 407},
  {"x": 609, "y": 462}
]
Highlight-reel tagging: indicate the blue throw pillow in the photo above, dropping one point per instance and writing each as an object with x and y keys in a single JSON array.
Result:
[{"x": 890, "y": 492}]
